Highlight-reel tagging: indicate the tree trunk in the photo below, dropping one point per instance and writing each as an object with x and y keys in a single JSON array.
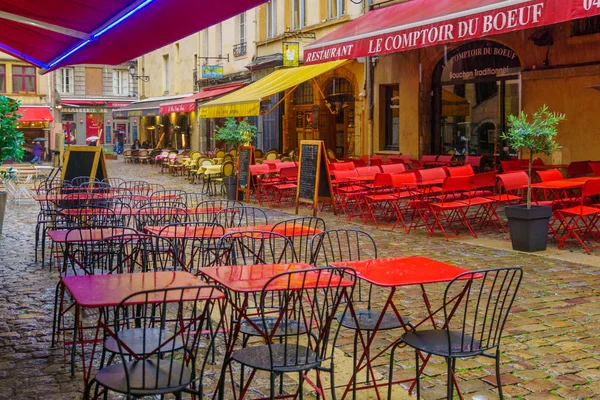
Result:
[{"x": 529, "y": 179}]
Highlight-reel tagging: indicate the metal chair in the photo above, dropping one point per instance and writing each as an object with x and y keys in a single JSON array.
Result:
[
  {"x": 476, "y": 306},
  {"x": 303, "y": 229},
  {"x": 192, "y": 200},
  {"x": 300, "y": 346},
  {"x": 151, "y": 215},
  {"x": 235, "y": 217},
  {"x": 214, "y": 206},
  {"x": 163, "y": 340},
  {"x": 255, "y": 247}
]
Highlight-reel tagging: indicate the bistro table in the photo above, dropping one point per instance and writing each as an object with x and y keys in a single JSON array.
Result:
[
  {"x": 395, "y": 273},
  {"x": 104, "y": 291},
  {"x": 559, "y": 188}
]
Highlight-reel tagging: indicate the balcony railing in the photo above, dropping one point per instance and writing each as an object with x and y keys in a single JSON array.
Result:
[{"x": 239, "y": 49}]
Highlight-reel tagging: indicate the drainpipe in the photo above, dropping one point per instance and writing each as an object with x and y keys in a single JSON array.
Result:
[{"x": 369, "y": 76}]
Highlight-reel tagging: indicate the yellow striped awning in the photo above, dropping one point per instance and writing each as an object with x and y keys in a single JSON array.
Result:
[{"x": 245, "y": 102}]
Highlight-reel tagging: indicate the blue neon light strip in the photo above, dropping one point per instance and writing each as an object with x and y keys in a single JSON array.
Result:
[
  {"x": 68, "y": 53},
  {"x": 98, "y": 34},
  {"x": 121, "y": 19},
  {"x": 24, "y": 56}
]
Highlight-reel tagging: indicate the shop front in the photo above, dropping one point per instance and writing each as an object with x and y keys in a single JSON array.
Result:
[
  {"x": 34, "y": 123},
  {"x": 446, "y": 84}
]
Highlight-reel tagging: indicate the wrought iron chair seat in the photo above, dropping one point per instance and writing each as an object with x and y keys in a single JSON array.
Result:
[
  {"x": 286, "y": 327},
  {"x": 435, "y": 341},
  {"x": 286, "y": 358},
  {"x": 143, "y": 341},
  {"x": 367, "y": 320},
  {"x": 144, "y": 373}
]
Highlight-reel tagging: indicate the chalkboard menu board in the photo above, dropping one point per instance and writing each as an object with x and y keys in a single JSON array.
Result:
[
  {"x": 84, "y": 161},
  {"x": 314, "y": 182},
  {"x": 245, "y": 159}
]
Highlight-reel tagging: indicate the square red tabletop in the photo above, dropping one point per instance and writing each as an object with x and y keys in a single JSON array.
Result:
[
  {"x": 252, "y": 278},
  {"x": 87, "y": 235},
  {"x": 185, "y": 231},
  {"x": 402, "y": 271},
  {"x": 95, "y": 291}
]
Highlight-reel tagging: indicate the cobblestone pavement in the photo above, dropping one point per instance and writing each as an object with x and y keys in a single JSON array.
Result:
[{"x": 551, "y": 348}]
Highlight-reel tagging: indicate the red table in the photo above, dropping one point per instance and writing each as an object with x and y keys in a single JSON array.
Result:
[
  {"x": 560, "y": 187},
  {"x": 134, "y": 211},
  {"x": 88, "y": 235},
  {"x": 176, "y": 232},
  {"x": 395, "y": 273},
  {"x": 98, "y": 196},
  {"x": 104, "y": 291}
]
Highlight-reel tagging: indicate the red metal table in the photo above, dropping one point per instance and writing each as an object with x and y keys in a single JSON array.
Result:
[
  {"x": 143, "y": 211},
  {"x": 243, "y": 281},
  {"x": 559, "y": 188},
  {"x": 176, "y": 232},
  {"x": 104, "y": 291},
  {"x": 394, "y": 273}
]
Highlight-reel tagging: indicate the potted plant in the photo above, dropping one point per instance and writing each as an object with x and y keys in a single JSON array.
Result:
[
  {"x": 11, "y": 144},
  {"x": 234, "y": 134},
  {"x": 109, "y": 155},
  {"x": 529, "y": 223}
]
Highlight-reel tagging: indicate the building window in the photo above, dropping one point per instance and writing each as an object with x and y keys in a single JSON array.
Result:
[
  {"x": 120, "y": 82},
  {"x": 391, "y": 116},
  {"x": 336, "y": 8},
  {"x": 298, "y": 14},
  {"x": 65, "y": 81},
  {"x": 166, "y": 73},
  {"x": 304, "y": 94},
  {"x": 271, "y": 19},
  {"x": 2, "y": 78},
  {"x": 585, "y": 26},
  {"x": 23, "y": 79},
  {"x": 242, "y": 28}
]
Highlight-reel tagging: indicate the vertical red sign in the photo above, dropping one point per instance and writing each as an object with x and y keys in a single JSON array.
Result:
[{"x": 94, "y": 126}]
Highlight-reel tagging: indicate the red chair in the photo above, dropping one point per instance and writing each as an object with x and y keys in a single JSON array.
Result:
[
  {"x": 359, "y": 162},
  {"x": 549, "y": 175},
  {"x": 393, "y": 168},
  {"x": 512, "y": 187},
  {"x": 594, "y": 167},
  {"x": 577, "y": 168},
  {"x": 443, "y": 160},
  {"x": 463, "y": 170},
  {"x": 474, "y": 162},
  {"x": 376, "y": 162},
  {"x": 512, "y": 166},
  {"x": 579, "y": 222},
  {"x": 286, "y": 189},
  {"x": 342, "y": 166},
  {"x": 348, "y": 191},
  {"x": 483, "y": 184},
  {"x": 404, "y": 189},
  {"x": 379, "y": 202},
  {"x": 450, "y": 213},
  {"x": 261, "y": 183},
  {"x": 368, "y": 171},
  {"x": 426, "y": 160}
]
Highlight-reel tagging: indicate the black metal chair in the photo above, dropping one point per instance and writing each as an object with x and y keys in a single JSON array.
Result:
[
  {"x": 136, "y": 187},
  {"x": 476, "y": 307},
  {"x": 192, "y": 200},
  {"x": 169, "y": 195},
  {"x": 163, "y": 340},
  {"x": 92, "y": 217},
  {"x": 291, "y": 346},
  {"x": 78, "y": 180},
  {"x": 349, "y": 245},
  {"x": 114, "y": 182},
  {"x": 235, "y": 217},
  {"x": 215, "y": 206},
  {"x": 255, "y": 247},
  {"x": 304, "y": 228},
  {"x": 150, "y": 215}
]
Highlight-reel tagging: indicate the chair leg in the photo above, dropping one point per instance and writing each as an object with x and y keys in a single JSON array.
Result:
[
  {"x": 417, "y": 377},
  {"x": 88, "y": 388},
  {"x": 272, "y": 388},
  {"x": 300, "y": 382},
  {"x": 354, "y": 366},
  {"x": 450, "y": 362},
  {"x": 498, "y": 380}
]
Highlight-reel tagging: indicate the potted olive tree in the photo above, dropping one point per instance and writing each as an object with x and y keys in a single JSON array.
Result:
[
  {"x": 529, "y": 223},
  {"x": 234, "y": 134},
  {"x": 11, "y": 145}
]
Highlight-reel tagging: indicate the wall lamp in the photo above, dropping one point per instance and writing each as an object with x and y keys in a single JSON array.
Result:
[{"x": 132, "y": 71}]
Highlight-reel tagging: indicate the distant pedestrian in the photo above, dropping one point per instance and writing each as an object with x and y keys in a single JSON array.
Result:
[
  {"x": 136, "y": 145},
  {"x": 120, "y": 142},
  {"x": 38, "y": 150}
]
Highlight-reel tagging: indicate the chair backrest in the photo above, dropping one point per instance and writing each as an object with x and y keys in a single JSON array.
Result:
[
  {"x": 315, "y": 297},
  {"x": 358, "y": 162},
  {"x": 168, "y": 194},
  {"x": 301, "y": 230},
  {"x": 212, "y": 206},
  {"x": 432, "y": 174},
  {"x": 342, "y": 176},
  {"x": 549, "y": 175},
  {"x": 485, "y": 298},
  {"x": 342, "y": 166},
  {"x": 228, "y": 168},
  {"x": 406, "y": 158},
  {"x": 93, "y": 217},
  {"x": 594, "y": 168},
  {"x": 444, "y": 158},
  {"x": 368, "y": 171},
  {"x": 271, "y": 155},
  {"x": 227, "y": 157},
  {"x": 577, "y": 168},
  {"x": 342, "y": 245},
  {"x": 456, "y": 184},
  {"x": 331, "y": 154},
  {"x": 483, "y": 180},
  {"x": 195, "y": 243},
  {"x": 511, "y": 165},
  {"x": 404, "y": 181},
  {"x": 164, "y": 331},
  {"x": 427, "y": 158},
  {"x": 288, "y": 172},
  {"x": 514, "y": 181},
  {"x": 153, "y": 215},
  {"x": 246, "y": 216},
  {"x": 382, "y": 181},
  {"x": 113, "y": 182},
  {"x": 473, "y": 161},
  {"x": 590, "y": 188},
  {"x": 258, "y": 153},
  {"x": 252, "y": 247},
  {"x": 463, "y": 170},
  {"x": 220, "y": 153},
  {"x": 192, "y": 200},
  {"x": 233, "y": 153},
  {"x": 121, "y": 254},
  {"x": 259, "y": 169},
  {"x": 375, "y": 162},
  {"x": 393, "y": 168}
]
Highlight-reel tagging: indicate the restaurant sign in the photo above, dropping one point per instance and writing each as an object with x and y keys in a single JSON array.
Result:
[
  {"x": 480, "y": 59},
  {"x": 177, "y": 108},
  {"x": 212, "y": 71},
  {"x": 394, "y": 32}
]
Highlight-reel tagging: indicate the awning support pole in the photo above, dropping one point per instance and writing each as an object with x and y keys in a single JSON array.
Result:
[{"x": 282, "y": 99}]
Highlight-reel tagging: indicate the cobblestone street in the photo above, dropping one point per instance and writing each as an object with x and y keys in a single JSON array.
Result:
[{"x": 551, "y": 348}]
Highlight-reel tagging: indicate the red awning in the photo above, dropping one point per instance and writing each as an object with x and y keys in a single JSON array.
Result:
[
  {"x": 422, "y": 23},
  {"x": 188, "y": 104},
  {"x": 55, "y": 33},
  {"x": 35, "y": 114}
]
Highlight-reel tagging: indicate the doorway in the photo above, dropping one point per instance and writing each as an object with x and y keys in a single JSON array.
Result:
[{"x": 339, "y": 100}]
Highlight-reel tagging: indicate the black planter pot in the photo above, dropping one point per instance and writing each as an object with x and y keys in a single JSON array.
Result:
[{"x": 528, "y": 227}]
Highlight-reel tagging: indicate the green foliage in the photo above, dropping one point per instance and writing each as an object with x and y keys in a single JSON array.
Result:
[
  {"x": 536, "y": 136},
  {"x": 235, "y": 133},
  {"x": 9, "y": 174},
  {"x": 11, "y": 140}
]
